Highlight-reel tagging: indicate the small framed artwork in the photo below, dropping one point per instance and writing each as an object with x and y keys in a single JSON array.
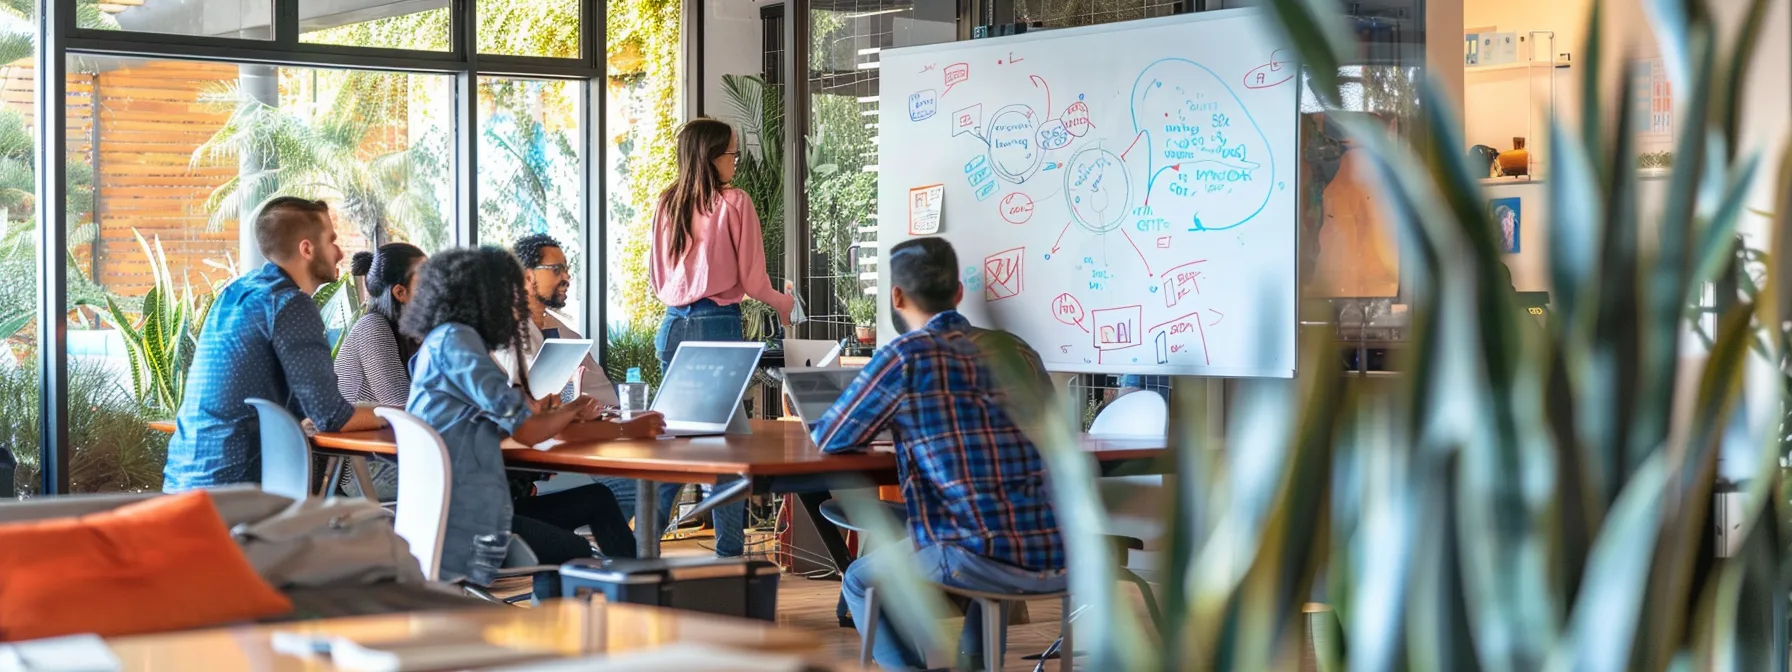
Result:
[{"x": 1508, "y": 220}]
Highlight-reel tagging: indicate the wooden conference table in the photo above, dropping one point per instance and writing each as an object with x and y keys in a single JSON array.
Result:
[
  {"x": 777, "y": 458},
  {"x": 558, "y": 629}
]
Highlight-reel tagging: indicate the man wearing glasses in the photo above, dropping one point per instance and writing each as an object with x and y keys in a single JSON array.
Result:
[{"x": 547, "y": 278}]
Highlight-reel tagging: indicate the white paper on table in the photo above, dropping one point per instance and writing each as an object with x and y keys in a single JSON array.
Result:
[
  {"x": 682, "y": 656},
  {"x": 74, "y": 653}
]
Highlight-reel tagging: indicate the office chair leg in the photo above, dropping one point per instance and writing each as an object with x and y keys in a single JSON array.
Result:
[
  {"x": 994, "y": 624},
  {"x": 869, "y": 638},
  {"x": 1066, "y": 652},
  {"x": 332, "y": 467},
  {"x": 1150, "y": 597}
]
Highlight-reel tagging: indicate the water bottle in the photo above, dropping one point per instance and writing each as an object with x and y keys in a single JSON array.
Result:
[
  {"x": 632, "y": 394},
  {"x": 488, "y": 555}
]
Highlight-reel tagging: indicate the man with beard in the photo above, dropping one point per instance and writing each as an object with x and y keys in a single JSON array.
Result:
[
  {"x": 974, "y": 487},
  {"x": 547, "y": 277},
  {"x": 264, "y": 339}
]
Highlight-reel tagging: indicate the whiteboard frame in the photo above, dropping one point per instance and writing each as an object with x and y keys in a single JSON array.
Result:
[{"x": 1293, "y": 323}]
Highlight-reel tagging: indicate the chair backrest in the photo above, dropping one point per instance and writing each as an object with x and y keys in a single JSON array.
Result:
[
  {"x": 285, "y": 452},
  {"x": 1142, "y": 413},
  {"x": 424, "y": 481}
]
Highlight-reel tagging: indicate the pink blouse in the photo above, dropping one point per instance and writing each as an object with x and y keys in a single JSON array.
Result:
[{"x": 724, "y": 261}]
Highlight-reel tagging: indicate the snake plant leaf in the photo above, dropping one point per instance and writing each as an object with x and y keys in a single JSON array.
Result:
[
  {"x": 1717, "y": 241},
  {"x": 1605, "y": 620}
]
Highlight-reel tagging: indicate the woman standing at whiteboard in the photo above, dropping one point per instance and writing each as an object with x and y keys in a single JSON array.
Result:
[
  {"x": 707, "y": 254},
  {"x": 707, "y": 251}
]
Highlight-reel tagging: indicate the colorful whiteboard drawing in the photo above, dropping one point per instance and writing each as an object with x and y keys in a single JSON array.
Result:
[
  {"x": 1002, "y": 274},
  {"x": 1117, "y": 328},
  {"x": 924, "y": 206},
  {"x": 922, "y": 105}
]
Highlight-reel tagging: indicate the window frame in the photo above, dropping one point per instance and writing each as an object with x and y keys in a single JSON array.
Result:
[{"x": 58, "y": 37}]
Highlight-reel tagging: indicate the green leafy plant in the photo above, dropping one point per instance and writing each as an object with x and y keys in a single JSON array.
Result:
[
  {"x": 1521, "y": 496},
  {"x": 862, "y": 309},
  {"x": 161, "y": 340},
  {"x": 114, "y": 448},
  {"x": 324, "y": 157},
  {"x": 760, "y": 169},
  {"x": 630, "y": 345}
]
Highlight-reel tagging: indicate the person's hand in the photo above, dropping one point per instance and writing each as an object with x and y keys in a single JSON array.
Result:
[
  {"x": 645, "y": 425},
  {"x": 583, "y": 408},
  {"x": 586, "y": 408}
]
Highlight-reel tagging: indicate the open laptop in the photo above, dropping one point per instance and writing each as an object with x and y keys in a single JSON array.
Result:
[
  {"x": 813, "y": 390},
  {"x": 701, "y": 392},
  {"x": 554, "y": 365},
  {"x": 802, "y": 353}
]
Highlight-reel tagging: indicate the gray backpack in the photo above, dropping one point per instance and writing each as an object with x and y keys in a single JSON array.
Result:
[{"x": 328, "y": 542}]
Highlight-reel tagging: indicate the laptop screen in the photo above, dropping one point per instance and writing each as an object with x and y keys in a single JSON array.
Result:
[
  {"x": 704, "y": 383},
  {"x": 814, "y": 390}
]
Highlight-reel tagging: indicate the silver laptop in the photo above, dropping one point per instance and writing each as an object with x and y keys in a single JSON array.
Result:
[
  {"x": 802, "y": 353},
  {"x": 701, "y": 392},
  {"x": 814, "y": 390},
  {"x": 554, "y": 365}
]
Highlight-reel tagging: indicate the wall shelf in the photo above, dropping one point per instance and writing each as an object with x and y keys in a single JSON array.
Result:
[{"x": 1512, "y": 66}]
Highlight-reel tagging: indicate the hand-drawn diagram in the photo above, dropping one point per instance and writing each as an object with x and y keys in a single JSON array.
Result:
[
  {"x": 1117, "y": 328},
  {"x": 1003, "y": 274},
  {"x": 1116, "y": 168}
]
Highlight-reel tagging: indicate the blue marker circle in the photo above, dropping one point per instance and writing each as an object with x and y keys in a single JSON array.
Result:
[
  {"x": 1048, "y": 256},
  {"x": 1080, "y": 96}
]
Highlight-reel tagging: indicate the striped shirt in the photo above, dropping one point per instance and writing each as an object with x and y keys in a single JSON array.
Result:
[
  {"x": 371, "y": 368},
  {"x": 969, "y": 477}
]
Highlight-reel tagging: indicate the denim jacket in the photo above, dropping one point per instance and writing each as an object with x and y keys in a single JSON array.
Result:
[{"x": 457, "y": 389}]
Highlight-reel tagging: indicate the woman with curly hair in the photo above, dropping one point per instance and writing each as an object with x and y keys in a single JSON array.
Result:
[{"x": 468, "y": 304}]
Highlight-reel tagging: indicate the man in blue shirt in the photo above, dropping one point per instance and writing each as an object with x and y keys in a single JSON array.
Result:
[
  {"x": 264, "y": 338},
  {"x": 979, "y": 510}
]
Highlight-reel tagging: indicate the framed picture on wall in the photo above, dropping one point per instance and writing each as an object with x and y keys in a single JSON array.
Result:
[{"x": 1508, "y": 216}]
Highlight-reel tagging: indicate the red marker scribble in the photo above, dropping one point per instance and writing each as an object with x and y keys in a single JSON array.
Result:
[
  {"x": 957, "y": 73},
  {"x": 1135, "y": 248},
  {"x": 1279, "y": 69},
  {"x": 1222, "y": 317},
  {"x": 1016, "y": 208},
  {"x": 1068, "y": 310},
  {"x": 1135, "y": 143},
  {"x": 1163, "y": 243}
]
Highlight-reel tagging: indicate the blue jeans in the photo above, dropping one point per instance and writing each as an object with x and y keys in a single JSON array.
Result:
[
  {"x": 703, "y": 320},
  {"x": 945, "y": 564},
  {"x": 730, "y": 517}
]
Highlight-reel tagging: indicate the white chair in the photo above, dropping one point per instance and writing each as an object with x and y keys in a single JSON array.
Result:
[
  {"x": 1141, "y": 413},
  {"x": 424, "y": 486},
  {"x": 285, "y": 452}
]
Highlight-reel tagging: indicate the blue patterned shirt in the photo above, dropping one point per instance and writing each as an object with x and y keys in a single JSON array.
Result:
[
  {"x": 969, "y": 477},
  {"x": 263, "y": 339}
]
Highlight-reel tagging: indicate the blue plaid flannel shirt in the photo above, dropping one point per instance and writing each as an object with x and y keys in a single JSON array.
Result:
[{"x": 969, "y": 476}]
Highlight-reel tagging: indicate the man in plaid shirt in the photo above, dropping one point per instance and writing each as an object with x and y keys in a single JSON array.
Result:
[{"x": 975, "y": 487}]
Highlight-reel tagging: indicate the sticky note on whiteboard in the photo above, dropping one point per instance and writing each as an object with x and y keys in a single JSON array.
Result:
[{"x": 924, "y": 204}]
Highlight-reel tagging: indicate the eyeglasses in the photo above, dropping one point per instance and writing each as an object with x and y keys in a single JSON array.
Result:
[
  {"x": 557, "y": 269},
  {"x": 734, "y": 154}
]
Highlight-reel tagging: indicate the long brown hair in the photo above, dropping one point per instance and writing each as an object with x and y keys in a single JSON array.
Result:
[{"x": 700, "y": 143}]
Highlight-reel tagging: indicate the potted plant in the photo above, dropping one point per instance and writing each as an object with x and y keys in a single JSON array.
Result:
[{"x": 863, "y": 311}]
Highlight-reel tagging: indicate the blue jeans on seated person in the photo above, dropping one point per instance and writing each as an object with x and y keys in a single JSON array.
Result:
[
  {"x": 703, "y": 320},
  {"x": 947, "y": 565},
  {"x": 730, "y": 517}
]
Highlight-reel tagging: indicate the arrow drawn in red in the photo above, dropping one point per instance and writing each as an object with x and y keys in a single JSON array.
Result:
[
  {"x": 1218, "y": 321},
  {"x": 1060, "y": 237},
  {"x": 1040, "y": 82},
  {"x": 1135, "y": 248},
  {"x": 1135, "y": 143}
]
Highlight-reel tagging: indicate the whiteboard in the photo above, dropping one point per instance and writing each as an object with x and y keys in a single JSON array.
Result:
[{"x": 1122, "y": 197}]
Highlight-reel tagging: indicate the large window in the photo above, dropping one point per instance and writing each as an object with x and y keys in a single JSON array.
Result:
[
  {"x": 170, "y": 145},
  {"x": 173, "y": 155},
  {"x": 529, "y": 170}
]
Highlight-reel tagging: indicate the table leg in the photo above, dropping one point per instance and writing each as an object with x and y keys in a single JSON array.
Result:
[
  {"x": 829, "y": 534},
  {"x": 647, "y": 503},
  {"x": 364, "y": 478}
]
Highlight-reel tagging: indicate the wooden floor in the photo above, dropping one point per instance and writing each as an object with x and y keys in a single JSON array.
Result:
[{"x": 808, "y": 605}]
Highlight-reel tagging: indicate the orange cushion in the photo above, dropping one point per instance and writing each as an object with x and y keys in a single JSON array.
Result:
[{"x": 167, "y": 563}]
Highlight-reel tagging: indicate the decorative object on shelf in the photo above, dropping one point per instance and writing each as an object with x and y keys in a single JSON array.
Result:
[
  {"x": 1507, "y": 215},
  {"x": 1483, "y": 158},
  {"x": 1516, "y": 161},
  {"x": 1498, "y": 49},
  {"x": 1471, "y": 50},
  {"x": 862, "y": 310},
  {"x": 1655, "y": 161}
]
